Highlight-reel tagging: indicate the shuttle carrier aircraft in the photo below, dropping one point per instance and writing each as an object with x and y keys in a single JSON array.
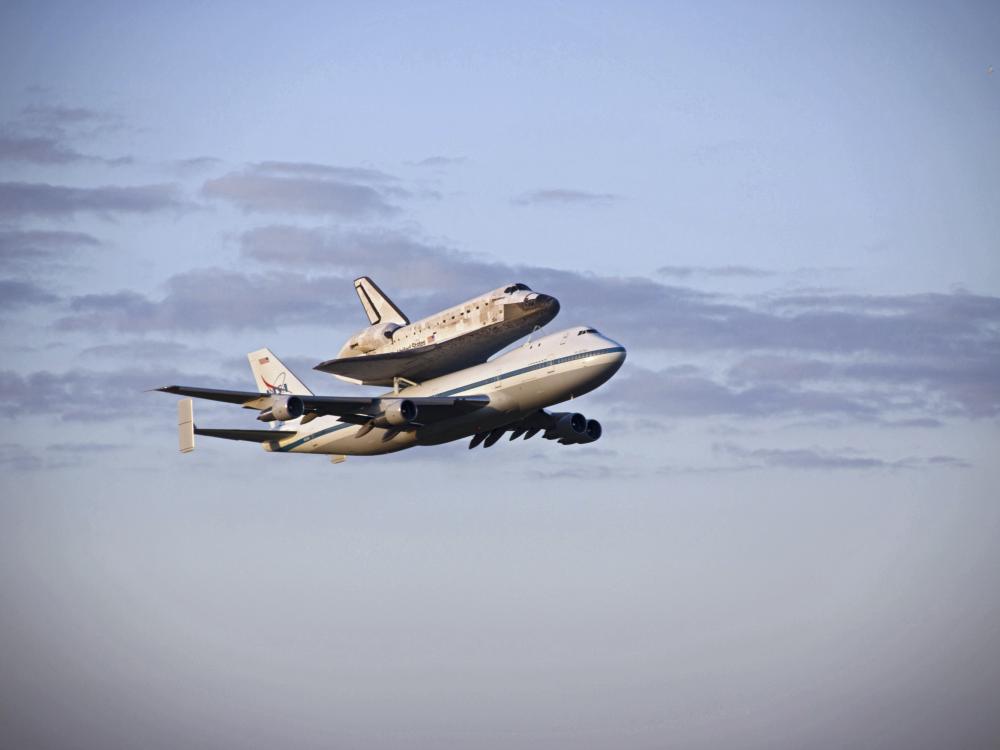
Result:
[
  {"x": 505, "y": 395},
  {"x": 461, "y": 336}
]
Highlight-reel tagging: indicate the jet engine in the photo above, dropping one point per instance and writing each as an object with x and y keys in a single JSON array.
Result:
[
  {"x": 396, "y": 412},
  {"x": 572, "y": 429},
  {"x": 592, "y": 433},
  {"x": 569, "y": 426},
  {"x": 370, "y": 339},
  {"x": 282, "y": 409}
]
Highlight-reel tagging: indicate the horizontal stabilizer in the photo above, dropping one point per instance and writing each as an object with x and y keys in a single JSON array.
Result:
[{"x": 252, "y": 436}]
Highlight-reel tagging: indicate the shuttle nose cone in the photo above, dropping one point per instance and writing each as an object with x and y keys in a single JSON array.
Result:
[{"x": 541, "y": 307}]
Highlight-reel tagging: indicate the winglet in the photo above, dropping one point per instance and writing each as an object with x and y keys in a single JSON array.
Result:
[{"x": 185, "y": 425}]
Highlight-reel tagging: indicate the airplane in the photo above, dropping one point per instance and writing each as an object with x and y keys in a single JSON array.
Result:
[
  {"x": 449, "y": 340},
  {"x": 483, "y": 402}
]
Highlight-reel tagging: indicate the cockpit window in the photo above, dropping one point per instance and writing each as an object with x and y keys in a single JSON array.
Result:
[
  {"x": 586, "y": 330},
  {"x": 517, "y": 288}
]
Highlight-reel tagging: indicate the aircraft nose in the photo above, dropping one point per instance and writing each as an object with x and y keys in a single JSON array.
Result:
[
  {"x": 544, "y": 302},
  {"x": 618, "y": 356},
  {"x": 542, "y": 306}
]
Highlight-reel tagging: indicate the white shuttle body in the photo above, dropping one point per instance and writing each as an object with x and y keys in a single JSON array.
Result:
[{"x": 453, "y": 339}]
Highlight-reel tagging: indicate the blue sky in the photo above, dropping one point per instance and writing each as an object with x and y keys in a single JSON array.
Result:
[{"x": 787, "y": 213}]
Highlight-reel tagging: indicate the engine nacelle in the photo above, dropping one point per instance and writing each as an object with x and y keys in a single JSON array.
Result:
[
  {"x": 569, "y": 426},
  {"x": 396, "y": 412},
  {"x": 592, "y": 433},
  {"x": 282, "y": 409},
  {"x": 371, "y": 338}
]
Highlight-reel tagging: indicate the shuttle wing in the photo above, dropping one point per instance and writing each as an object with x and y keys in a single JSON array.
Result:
[
  {"x": 419, "y": 363},
  {"x": 381, "y": 368}
]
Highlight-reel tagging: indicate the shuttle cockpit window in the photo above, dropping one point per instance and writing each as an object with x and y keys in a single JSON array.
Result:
[
  {"x": 517, "y": 288},
  {"x": 586, "y": 330}
]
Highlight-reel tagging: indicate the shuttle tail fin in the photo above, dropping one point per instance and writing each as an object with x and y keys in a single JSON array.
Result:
[
  {"x": 378, "y": 307},
  {"x": 273, "y": 376}
]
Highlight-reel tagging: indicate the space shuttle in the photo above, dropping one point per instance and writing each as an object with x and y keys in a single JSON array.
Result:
[{"x": 468, "y": 334}]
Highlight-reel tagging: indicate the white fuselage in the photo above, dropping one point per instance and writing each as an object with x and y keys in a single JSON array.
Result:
[{"x": 537, "y": 374}]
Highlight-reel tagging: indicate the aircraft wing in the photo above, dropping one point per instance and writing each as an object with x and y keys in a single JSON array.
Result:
[
  {"x": 429, "y": 408},
  {"x": 357, "y": 409},
  {"x": 213, "y": 394}
]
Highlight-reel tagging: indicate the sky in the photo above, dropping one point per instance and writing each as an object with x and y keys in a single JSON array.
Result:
[{"x": 788, "y": 213}]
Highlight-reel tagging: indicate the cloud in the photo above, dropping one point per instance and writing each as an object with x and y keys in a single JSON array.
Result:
[
  {"x": 146, "y": 350},
  {"x": 886, "y": 360},
  {"x": 84, "y": 447},
  {"x": 440, "y": 161},
  {"x": 587, "y": 472},
  {"x": 672, "y": 394},
  {"x": 402, "y": 260},
  {"x": 818, "y": 458},
  {"x": 684, "y": 272},
  {"x": 58, "y": 117},
  {"x": 852, "y": 356},
  {"x": 46, "y": 150},
  {"x": 36, "y": 149},
  {"x": 24, "y": 249},
  {"x": 194, "y": 164},
  {"x": 306, "y": 188},
  {"x": 300, "y": 168},
  {"x": 963, "y": 381},
  {"x": 19, "y": 199},
  {"x": 92, "y": 396},
  {"x": 564, "y": 196},
  {"x": 42, "y": 135},
  {"x": 212, "y": 299},
  {"x": 19, "y": 458},
  {"x": 431, "y": 272},
  {"x": 15, "y": 293},
  {"x": 908, "y": 393}
]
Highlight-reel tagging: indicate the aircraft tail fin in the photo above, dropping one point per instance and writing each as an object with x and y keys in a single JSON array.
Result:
[
  {"x": 273, "y": 377},
  {"x": 378, "y": 307}
]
